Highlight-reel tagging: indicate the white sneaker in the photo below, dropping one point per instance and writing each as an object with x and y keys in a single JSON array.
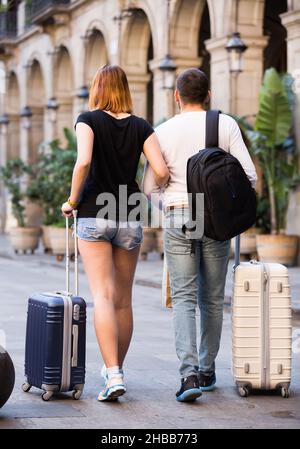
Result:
[
  {"x": 105, "y": 375},
  {"x": 113, "y": 389}
]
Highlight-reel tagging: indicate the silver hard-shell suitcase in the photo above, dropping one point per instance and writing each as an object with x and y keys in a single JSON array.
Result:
[{"x": 261, "y": 326}]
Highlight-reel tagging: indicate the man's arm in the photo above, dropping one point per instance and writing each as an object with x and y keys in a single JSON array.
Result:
[
  {"x": 239, "y": 150},
  {"x": 149, "y": 184}
]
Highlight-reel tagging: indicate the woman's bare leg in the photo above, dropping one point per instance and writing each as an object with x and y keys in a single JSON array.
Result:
[
  {"x": 98, "y": 263},
  {"x": 125, "y": 264}
]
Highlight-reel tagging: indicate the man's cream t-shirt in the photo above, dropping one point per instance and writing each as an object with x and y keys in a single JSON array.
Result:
[{"x": 184, "y": 135}]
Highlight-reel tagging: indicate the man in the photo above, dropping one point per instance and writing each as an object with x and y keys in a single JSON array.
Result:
[{"x": 194, "y": 279}]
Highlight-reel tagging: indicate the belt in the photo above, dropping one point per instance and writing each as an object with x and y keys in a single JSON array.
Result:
[{"x": 177, "y": 206}]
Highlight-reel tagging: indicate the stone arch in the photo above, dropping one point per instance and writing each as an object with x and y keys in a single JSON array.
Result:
[
  {"x": 184, "y": 28},
  {"x": 63, "y": 73},
  {"x": 96, "y": 54},
  {"x": 63, "y": 89},
  {"x": 135, "y": 42},
  {"x": 136, "y": 51},
  {"x": 13, "y": 111},
  {"x": 13, "y": 93},
  {"x": 35, "y": 84},
  {"x": 36, "y": 101}
]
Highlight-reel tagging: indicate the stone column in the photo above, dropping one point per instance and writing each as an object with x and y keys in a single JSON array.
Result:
[
  {"x": 64, "y": 117},
  {"x": 3, "y": 200},
  {"x": 231, "y": 93},
  {"x": 162, "y": 98},
  {"x": 13, "y": 150},
  {"x": 219, "y": 73},
  {"x": 291, "y": 20},
  {"x": 138, "y": 84},
  {"x": 49, "y": 126},
  {"x": 36, "y": 133},
  {"x": 164, "y": 104},
  {"x": 237, "y": 93},
  {"x": 30, "y": 138},
  {"x": 24, "y": 140}
]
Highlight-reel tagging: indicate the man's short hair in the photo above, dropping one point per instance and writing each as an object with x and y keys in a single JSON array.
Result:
[{"x": 193, "y": 86}]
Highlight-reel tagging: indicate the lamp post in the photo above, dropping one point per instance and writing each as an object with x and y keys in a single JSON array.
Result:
[
  {"x": 168, "y": 69},
  {"x": 236, "y": 47},
  {"x": 4, "y": 121},
  {"x": 83, "y": 95},
  {"x": 52, "y": 107},
  {"x": 167, "y": 65},
  {"x": 26, "y": 115}
]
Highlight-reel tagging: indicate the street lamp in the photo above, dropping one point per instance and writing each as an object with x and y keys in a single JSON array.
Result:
[
  {"x": 26, "y": 115},
  {"x": 83, "y": 95},
  {"x": 168, "y": 68},
  {"x": 52, "y": 107},
  {"x": 235, "y": 47},
  {"x": 167, "y": 65},
  {"x": 4, "y": 121}
]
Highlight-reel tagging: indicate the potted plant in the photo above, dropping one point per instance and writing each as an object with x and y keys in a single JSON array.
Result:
[
  {"x": 273, "y": 144},
  {"x": 53, "y": 180},
  {"x": 15, "y": 175},
  {"x": 248, "y": 247}
]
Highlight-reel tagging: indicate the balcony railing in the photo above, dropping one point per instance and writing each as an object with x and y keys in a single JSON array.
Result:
[
  {"x": 8, "y": 24},
  {"x": 38, "y": 10}
]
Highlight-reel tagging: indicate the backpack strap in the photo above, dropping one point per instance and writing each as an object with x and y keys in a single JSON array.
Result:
[{"x": 212, "y": 129}]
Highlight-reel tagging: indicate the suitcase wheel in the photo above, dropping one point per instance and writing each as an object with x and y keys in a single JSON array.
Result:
[
  {"x": 47, "y": 395},
  {"x": 76, "y": 394},
  {"x": 285, "y": 392},
  {"x": 243, "y": 391},
  {"x": 26, "y": 387}
]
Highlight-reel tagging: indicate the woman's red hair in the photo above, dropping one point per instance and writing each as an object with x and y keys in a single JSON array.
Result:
[{"x": 110, "y": 90}]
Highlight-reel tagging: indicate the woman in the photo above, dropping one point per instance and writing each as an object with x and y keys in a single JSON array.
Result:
[{"x": 110, "y": 140}]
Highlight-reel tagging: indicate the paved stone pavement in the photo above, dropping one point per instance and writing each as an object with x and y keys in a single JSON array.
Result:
[{"x": 151, "y": 366}]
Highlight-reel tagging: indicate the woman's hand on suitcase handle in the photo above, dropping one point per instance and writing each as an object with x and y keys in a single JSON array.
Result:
[{"x": 67, "y": 210}]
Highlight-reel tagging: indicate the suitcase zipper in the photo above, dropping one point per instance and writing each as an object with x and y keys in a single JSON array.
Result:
[{"x": 265, "y": 330}]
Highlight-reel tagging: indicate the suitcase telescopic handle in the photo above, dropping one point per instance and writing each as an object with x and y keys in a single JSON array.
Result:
[
  {"x": 237, "y": 250},
  {"x": 68, "y": 254}
]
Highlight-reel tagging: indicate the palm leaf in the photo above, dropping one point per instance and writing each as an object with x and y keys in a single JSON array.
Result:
[{"x": 274, "y": 116}]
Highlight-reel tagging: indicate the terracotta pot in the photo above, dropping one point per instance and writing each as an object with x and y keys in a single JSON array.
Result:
[
  {"x": 248, "y": 242},
  {"x": 46, "y": 238},
  {"x": 57, "y": 237},
  {"x": 25, "y": 239},
  {"x": 160, "y": 242},
  {"x": 149, "y": 241},
  {"x": 277, "y": 248}
]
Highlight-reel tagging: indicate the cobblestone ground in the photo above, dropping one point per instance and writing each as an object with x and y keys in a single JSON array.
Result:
[{"x": 150, "y": 370}]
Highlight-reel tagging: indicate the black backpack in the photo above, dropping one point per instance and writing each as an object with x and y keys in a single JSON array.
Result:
[{"x": 229, "y": 198}]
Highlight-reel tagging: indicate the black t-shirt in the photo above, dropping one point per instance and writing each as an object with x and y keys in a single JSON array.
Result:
[{"x": 118, "y": 144}]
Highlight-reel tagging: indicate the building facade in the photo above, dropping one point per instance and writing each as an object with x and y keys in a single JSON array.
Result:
[{"x": 51, "y": 49}]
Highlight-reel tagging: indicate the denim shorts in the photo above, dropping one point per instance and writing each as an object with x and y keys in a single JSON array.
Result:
[{"x": 126, "y": 235}]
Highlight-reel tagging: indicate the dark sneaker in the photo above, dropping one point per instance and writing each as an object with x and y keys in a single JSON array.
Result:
[
  {"x": 189, "y": 390},
  {"x": 207, "y": 382}
]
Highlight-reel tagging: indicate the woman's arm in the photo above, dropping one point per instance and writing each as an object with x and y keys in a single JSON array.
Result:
[
  {"x": 85, "y": 141},
  {"x": 155, "y": 158}
]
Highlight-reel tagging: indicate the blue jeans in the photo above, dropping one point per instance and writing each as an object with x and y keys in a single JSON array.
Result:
[{"x": 196, "y": 280}]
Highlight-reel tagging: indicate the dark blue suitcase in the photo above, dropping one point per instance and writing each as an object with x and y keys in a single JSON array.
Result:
[{"x": 55, "y": 338}]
